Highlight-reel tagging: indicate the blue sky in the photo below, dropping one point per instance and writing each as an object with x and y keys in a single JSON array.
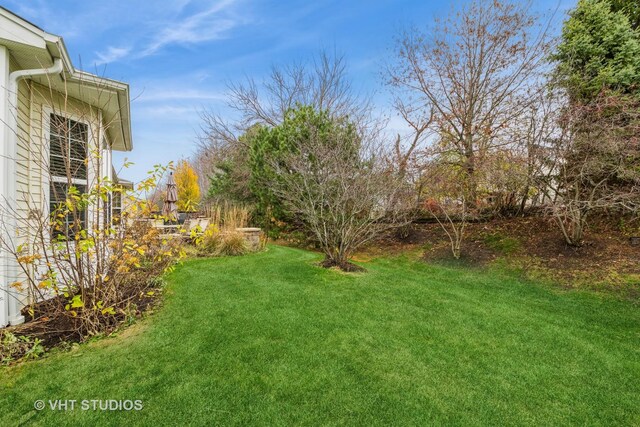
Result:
[{"x": 178, "y": 56}]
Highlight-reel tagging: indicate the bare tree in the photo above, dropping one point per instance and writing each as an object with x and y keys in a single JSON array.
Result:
[
  {"x": 453, "y": 224},
  {"x": 322, "y": 84},
  {"x": 409, "y": 147},
  {"x": 474, "y": 72}
]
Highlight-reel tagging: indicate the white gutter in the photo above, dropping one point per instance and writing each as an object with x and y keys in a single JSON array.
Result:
[{"x": 14, "y": 306}]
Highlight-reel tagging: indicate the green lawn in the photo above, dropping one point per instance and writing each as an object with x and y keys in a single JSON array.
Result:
[{"x": 271, "y": 339}]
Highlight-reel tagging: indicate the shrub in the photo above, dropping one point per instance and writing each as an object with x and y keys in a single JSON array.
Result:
[
  {"x": 216, "y": 243},
  {"x": 84, "y": 277},
  {"x": 222, "y": 238},
  {"x": 15, "y": 347},
  {"x": 209, "y": 242},
  {"x": 228, "y": 216},
  {"x": 233, "y": 243}
]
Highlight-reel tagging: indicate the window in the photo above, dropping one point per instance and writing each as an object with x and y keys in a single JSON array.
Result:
[
  {"x": 57, "y": 196},
  {"x": 117, "y": 206},
  {"x": 68, "y": 148},
  {"x": 67, "y": 167}
]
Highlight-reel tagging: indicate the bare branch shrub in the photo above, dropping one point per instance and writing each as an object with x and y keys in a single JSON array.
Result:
[
  {"x": 446, "y": 199},
  {"x": 536, "y": 134},
  {"x": 599, "y": 162},
  {"x": 83, "y": 266},
  {"x": 338, "y": 184}
]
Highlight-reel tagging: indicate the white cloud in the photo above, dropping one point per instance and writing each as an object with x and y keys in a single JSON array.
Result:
[
  {"x": 168, "y": 112},
  {"x": 177, "y": 94},
  {"x": 165, "y": 28},
  {"x": 112, "y": 54},
  {"x": 211, "y": 24}
]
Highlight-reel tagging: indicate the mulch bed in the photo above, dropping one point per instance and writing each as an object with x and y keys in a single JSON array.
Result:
[
  {"x": 54, "y": 330},
  {"x": 347, "y": 267},
  {"x": 607, "y": 260}
]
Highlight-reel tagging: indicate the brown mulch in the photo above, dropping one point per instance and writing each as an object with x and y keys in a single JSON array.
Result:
[
  {"x": 606, "y": 262},
  {"x": 346, "y": 267},
  {"x": 55, "y": 329}
]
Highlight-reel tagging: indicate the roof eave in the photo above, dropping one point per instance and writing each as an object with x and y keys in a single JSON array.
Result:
[
  {"x": 56, "y": 48},
  {"x": 122, "y": 90}
]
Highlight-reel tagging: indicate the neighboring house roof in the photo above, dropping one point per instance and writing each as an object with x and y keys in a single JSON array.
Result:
[
  {"x": 120, "y": 181},
  {"x": 32, "y": 47}
]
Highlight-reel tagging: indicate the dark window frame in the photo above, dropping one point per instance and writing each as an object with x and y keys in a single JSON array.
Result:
[{"x": 68, "y": 167}]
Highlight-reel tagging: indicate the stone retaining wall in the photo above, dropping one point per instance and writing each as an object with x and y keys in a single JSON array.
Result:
[{"x": 253, "y": 237}]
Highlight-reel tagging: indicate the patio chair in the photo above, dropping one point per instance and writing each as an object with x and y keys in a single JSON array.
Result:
[{"x": 197, "y": 224}]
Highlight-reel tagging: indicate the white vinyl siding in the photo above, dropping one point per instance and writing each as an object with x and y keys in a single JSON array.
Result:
[{"x": 33, "y": 182}]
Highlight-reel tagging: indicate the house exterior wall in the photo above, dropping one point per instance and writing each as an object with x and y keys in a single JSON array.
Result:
[
  {"x": 35, "y": 103},
  {"x": 32, "y": 64},
  {"x": 27, "y": 188}
]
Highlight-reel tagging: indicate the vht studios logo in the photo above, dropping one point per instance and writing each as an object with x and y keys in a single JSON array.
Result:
[{"x": 88, "y": 405}]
